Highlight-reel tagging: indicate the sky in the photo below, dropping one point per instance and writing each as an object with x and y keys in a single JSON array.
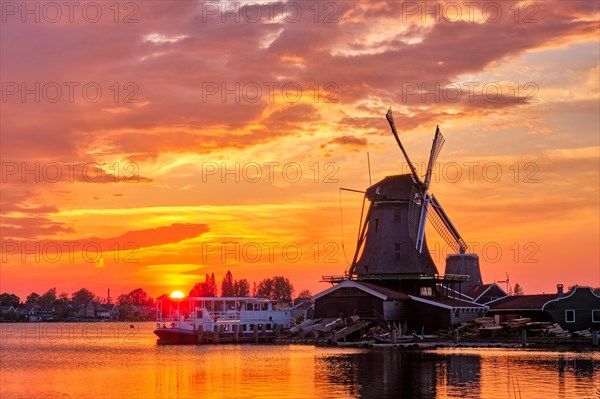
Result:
[{"x": 147, "y": 143}]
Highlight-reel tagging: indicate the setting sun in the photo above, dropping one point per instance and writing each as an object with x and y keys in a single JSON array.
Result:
[{"x": 177, "y": 295}]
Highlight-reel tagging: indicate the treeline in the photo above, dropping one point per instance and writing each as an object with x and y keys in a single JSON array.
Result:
[
  {"x": 51, "y": 298},
  {"x": 277, "y": 287},
  {"x": 60, "y": 306}
]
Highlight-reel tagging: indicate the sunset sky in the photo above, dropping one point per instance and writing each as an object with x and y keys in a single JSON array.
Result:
[{"x": 181, "y": 103}]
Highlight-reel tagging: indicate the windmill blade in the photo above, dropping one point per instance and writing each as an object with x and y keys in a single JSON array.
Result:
[
  {"x": 361, "y": 239},
  {"x": 422, "y": 222},
  {"x": 390, "y": 119},
  {"x": 436, "y": 147},
  {"x": 442, "y": 224}
]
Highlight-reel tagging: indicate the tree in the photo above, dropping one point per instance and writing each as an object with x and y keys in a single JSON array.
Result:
[
  {"x": 7, "y": 299},
  {"x": 572, "y": 287},
  {"x": 278, "y": 287},
  {"x": 34, "y": 297},
  {"x": 227, "y": 285},
  {"x": 63, "y": 298},
  {"x": 140, "y": 297},
  {"x": 303, "y": 295},
  {"x": 264, "y": 288},
  {"x": 211, "y": 285},
  {"x": 518, "y": 290},
  {"x": 242, "y": 288},
  {"x": 207, "y": 288},
  {"x": 83, "y": 295},
  {"x": 48, "y": 298}
]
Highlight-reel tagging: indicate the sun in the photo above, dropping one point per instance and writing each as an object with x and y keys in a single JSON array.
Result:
[{"x": 177, "y": 295}]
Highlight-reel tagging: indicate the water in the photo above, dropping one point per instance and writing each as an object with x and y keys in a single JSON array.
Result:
[{"x": 112, "y": 360}]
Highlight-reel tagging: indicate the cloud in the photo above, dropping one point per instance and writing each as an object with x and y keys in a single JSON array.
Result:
[
  {"x": 351, "y": 143},
  {"x": 135, "y": 239}
]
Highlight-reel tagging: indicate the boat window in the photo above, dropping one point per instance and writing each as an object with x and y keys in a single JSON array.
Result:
[
  {"x": 244, "y": 327},
  {"x": 251, "y": 327},
  {"x": 199, "y": 314},
  {"x": 265, "y": 306},
  {"x": 268, "y": 326}
]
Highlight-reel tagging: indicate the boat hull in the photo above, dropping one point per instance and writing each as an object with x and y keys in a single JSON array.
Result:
[{"x": 176, "y": 336}]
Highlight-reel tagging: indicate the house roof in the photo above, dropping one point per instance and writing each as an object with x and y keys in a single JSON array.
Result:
[
  {"x": 303, "y": 305},
  {"x": 475, "y": 292},
  {"x": 448, "y": 303},
  {"x": 370, "y": 288},
  {"x": 522, "y": 302}
]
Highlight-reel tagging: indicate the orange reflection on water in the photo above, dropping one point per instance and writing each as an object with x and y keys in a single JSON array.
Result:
[{"x": 113, "y": 360}]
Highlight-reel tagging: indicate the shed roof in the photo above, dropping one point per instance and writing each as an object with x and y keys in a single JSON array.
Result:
[
  {"x": 370, "y": 288},
  {"x": 522, "y": 302}
]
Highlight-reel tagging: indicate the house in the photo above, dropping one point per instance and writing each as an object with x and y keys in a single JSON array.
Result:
[
  {"x": 486, "y": 293},
  {"x": 304, "y": 309},
  {"x": 106, "y": 311},
  {"x": 76, "y": 309},
  {"x": 29, "y": 311},
  {"x": 428, "y": 311},
  {"x": 48, "y": 313},
  {"x": 8, "y": 312},
  {"x": 578, "y": 310}
]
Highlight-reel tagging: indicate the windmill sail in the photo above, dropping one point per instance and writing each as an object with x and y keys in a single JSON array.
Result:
[
  {"x": 438, "y": 143},
  {"x": 390, "y": 118},
  {"x": 442, "y": 224},
  {"x": 436, "y": 147}
]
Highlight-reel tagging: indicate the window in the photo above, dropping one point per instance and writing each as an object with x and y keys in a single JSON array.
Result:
[
  {"x": 376, "y": 225},
  {"x": 426, "y": 291},
  {"x": 570, "y": 315},
  {"x": 398, "y": 249},
  {"x": 596, "y": 316},
  {"x": 397, "y": 216}
]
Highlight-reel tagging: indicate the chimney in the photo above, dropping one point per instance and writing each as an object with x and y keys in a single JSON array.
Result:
[{"x": 559, "y": 290}]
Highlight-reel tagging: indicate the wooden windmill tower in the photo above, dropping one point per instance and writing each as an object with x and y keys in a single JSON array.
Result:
[{"x": 391, "y": 248}]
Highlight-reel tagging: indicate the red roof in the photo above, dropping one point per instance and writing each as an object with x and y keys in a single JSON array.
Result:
[
  {"x": 476, "y": 291},
  {"x": 522, "y": 302}
]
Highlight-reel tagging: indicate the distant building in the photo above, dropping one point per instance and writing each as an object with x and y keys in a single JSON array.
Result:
[
  {"x": 577, "y": 310},
  {"x": 29, "y": 311},
  {"x": 106, "y": 311}
]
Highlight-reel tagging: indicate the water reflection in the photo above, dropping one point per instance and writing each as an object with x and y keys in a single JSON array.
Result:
[
  {"x": 111, "y": 361},
  {"x": 464, "y": 374}
]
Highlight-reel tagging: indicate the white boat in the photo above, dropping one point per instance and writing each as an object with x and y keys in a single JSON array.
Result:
[{"x": 223, "y": 319}]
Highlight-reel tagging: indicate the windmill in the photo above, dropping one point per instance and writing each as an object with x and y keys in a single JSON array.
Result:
[
  {"x": 421, "y": 198},
  {"x": 508, "y": 286},
  {"x": 392, "y": 234}
]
